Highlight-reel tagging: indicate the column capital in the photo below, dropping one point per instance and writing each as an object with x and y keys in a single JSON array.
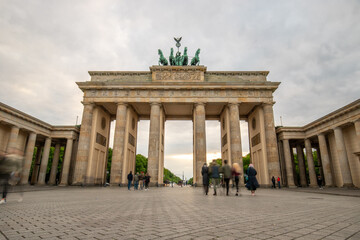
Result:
[
  {"x": 87, "y": 103},
  {"x": 337, "y": 128},
  {"x": 122, "y": 104},
  {"x": 199, "y": 104},
  {"x": 321, "y": 134},
  {"x": 155, "y": 104},
  {"x": 268, "y": 103},
  {"x": 233, "y": 103}
]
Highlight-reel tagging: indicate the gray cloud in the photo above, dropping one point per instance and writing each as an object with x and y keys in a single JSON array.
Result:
[{"x": 312, "y": 48}]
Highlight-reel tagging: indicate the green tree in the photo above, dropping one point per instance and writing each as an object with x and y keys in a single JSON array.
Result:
[
  {"x": 190, "y": 181},
  {"x": 246, "y": 162},
  {"x": 141, "y": 163},
  {"x": 171, "y": 177}
]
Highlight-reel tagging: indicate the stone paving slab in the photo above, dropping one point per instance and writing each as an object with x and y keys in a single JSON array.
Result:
[{"x": 178, "y": 213}]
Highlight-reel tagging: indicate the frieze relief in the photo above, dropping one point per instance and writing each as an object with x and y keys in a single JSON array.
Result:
[
  {"x": 178, "y": 93},
  {"x": 192, "y": 76}
]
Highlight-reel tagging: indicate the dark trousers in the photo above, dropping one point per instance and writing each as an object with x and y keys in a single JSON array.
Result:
[
  {"x": 237, "y": 183},
  {"x": 129, "y": 184},
  {"x": 227, "y": 180},
  {"x": 273, "y": 186},
  {"x": 279, "y": 184},
  {"x": 4, "y": 180},
  {"x": 206, "y": 188},
  {"x": 146, "y": 185}
]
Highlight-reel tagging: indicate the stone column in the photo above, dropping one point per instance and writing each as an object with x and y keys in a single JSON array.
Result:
[
  {"x": 28, "y": 158},
  {"x": 271, "y": 141},
  {"x": 288, "y": 163},
  {"x": 300, "y": 157},
  {"x": 11, "y": 147},
  {"x": 200, "y": 140},
  {"x": 35, "y": 172},
  {"x": 356, "y": 165},
  {"x": 117, "y": 161},
  {"x": 296, "y": 180},
  {"x": 154, "y": 143},
  {"x": 66, "y": 163},
  {"x": 310, "y": 161},
  {"x": 44, "y": 162},
  {"x": 342, "y": 169},
  {"x": 84, "y": 144},
  {"x": 54, "y": 166},
  {"x": 325, "y": 160},
  {"x": 235, "y": 137}
]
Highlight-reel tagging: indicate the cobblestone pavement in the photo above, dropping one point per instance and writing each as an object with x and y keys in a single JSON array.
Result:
[{"x": 178, "y": 213}]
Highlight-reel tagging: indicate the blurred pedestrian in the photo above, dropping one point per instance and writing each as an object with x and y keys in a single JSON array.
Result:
[
  {"x": 236, "y": 173},
  {"x": 252, "y": 183},
  {"x": 319, "y": 182},
  {"x": 10, "y": 173},
  {"x": 136, "y": 181},
  {"x": 141, "y": 180},
  {"x": 205, "y": 176},
  {"x": 273, "y": 182},
  {"x": 215, "y": 174},
  {"x": 129, "y": 178},
  {"x": 226, "y": 169},
  {"x": 278, "y": 181},
  {"x": 147, "y": 181}
]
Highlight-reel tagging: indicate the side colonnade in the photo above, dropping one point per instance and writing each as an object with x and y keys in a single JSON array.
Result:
[
  {"x": 21, "y": 134},
  {"x": 334, "y": 139}
]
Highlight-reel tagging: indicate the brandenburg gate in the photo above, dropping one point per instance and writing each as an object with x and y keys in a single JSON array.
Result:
[{"x": 174, "y": 93}]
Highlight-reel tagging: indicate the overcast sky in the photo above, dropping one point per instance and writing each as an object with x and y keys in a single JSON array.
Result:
[{"x": 311, "y": 47}]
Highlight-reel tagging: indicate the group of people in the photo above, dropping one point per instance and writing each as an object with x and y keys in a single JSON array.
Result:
[
  {"x": 273, "y": 182},
  {"x": 214, "y": 172},
  {"x": 139, "y": 180}
]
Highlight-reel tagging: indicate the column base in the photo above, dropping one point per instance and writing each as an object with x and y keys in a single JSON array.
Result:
[{"x": 62, "y": 185}]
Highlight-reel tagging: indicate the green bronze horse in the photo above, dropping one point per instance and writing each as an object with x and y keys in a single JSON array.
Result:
[
  {"x": 185, "y": 59},
  {"x": 196, "y": 60},
  {"x": 171, "y": 57},
  {"x": 162, "y": 60}
]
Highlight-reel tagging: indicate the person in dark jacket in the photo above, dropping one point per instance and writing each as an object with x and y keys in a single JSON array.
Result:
[
  {"x": 273, "y": 182},
  {"x": 215, "y": 174},
  {"x": 147, "y": 181},
  {"x": 205, "y": 175},
  {"x": 130, "y": 178},
  {"x": 252, "y": 183},
  {"x": 226, "y": 169}
]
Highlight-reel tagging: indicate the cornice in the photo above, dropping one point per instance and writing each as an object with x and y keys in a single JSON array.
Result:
[
  {"x": 118, "y": 73},
  {"x": 238, "y": 73}
]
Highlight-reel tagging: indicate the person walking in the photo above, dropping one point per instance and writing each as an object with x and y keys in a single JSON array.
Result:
[
  {"x": 205, "y": 175},
  {"x": 278, "y": 181},
  {"x": 147, "y": 181},
  {"x": 235, "y": 172},
  {"x": 215, "y": 174},
  {"x": 129, "y": 178},
  {"x": 252, "y": 183},
  {"x": 10, "y": 170},
  {"x": 273, "y": 182},
  {"x": 136, "y": 181},
  {"x": 226, "y": 169}
]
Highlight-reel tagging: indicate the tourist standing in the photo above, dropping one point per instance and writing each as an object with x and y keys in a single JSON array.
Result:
[
  {"x": 141, "y": 180},
  {"x": 226, "y": 169},
  {"x": 273, "y": 182},
  {"x": 319, "y": 182},
  {"x": 205, "y": 175},
  {"x": 278, "y": 181},
  {"x": 136, "y": 181},
  {"x": 236, "y": 173},
  {"x": 129, "y": 178},
  {"x": 215, "y": 175},
  {"x": 252, "y": 183},
  {"x": 147, "y": 181}
]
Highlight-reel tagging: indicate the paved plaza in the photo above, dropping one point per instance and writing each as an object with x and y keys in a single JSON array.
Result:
[{"x": 178, "y": 213}]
